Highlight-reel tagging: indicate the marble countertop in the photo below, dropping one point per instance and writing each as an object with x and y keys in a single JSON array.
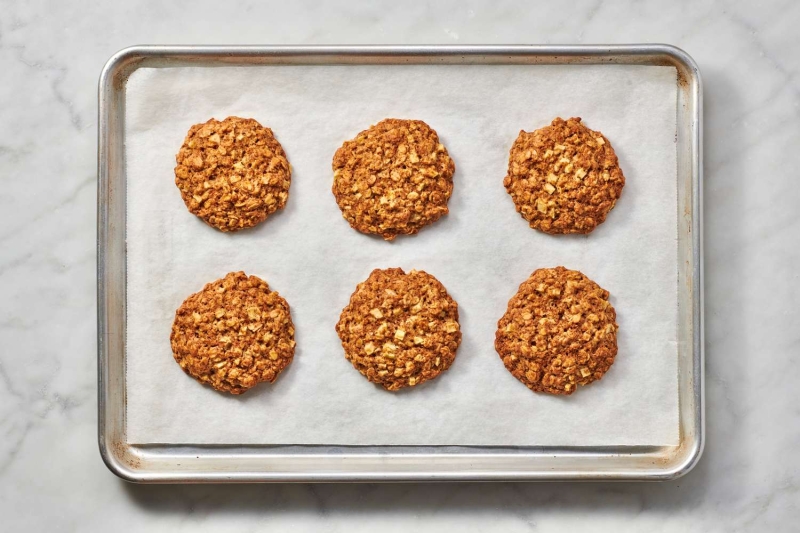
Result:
[{"x": 51, "y": 475}]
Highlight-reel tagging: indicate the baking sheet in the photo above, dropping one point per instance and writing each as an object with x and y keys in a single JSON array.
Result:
[{"x": 481, "y": 252}]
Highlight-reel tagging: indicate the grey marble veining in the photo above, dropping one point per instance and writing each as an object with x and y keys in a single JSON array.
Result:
[{"x": 51, "y": 475}]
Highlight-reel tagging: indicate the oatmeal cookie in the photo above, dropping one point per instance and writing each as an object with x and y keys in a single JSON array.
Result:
[
  {"x": 563, "y": 178},
  {"x": 400, "y": 330},
  {"x": 232, "y": 174},
  {"x": 393, "y": 178},
  {"x": 559, "y": 332},
  {"x": 233, "y": 334}
]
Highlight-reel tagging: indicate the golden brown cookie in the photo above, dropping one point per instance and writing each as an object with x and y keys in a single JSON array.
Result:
[
  {"x": 233, "y": 174},
  {"x": 563, "y": 178},
  {"x": 233, "y": 334},
  {"x": 393, "y": 178},
  {"x": 559, "y": 332},
  {"x": 400, "y": 330}
]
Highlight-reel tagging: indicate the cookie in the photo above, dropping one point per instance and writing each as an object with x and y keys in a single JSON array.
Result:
[
  {"x": 400, "y": 330},
  {"x": 393, "y": 179},
  {"x": 233, "y": 334},
  {"x": 232, "y": 174},
  {"x": 563, "y": 178},
  {"x": 559, "y": 332}
]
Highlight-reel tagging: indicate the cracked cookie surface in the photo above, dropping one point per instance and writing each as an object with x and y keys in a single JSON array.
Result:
[
  {"x": 563, "y": 178},
  {"x": 393, "y": 178},
  {"x": 400, "y": 330},
  {"x": 233, "y": 334},
  {"x": 559, "y": 331},
  {"x": 232, "y": 174}
]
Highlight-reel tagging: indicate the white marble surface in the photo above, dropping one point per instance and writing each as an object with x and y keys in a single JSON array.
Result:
[{"x": 51, "y": 475}]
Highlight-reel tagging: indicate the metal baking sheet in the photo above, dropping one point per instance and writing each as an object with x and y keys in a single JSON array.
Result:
[{"x": 215, "y": 463}]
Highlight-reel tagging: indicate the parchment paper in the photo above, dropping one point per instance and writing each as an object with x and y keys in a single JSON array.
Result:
[{"x": 481, "y": 252}]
